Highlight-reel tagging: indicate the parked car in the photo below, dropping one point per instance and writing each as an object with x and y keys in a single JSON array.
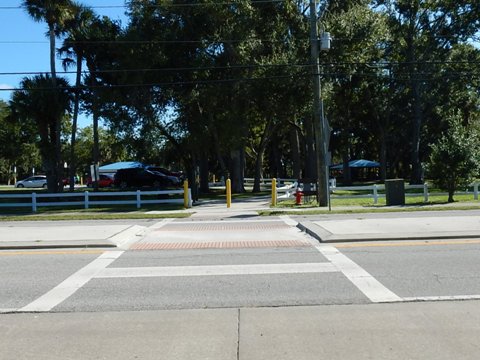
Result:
[
  {"x": 139, "y": 177},
  {"x": 174, "y": 174},
  {"x": 37, "y": 181},
  {"x": 66, "y": 181},
  {"x": 103, "y": 181}
]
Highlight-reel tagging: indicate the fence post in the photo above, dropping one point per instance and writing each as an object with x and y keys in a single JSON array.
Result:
[
  {"x": 34, "y": 202},
  {"x": 85, "y": 197},
  {"x": 475, "y": 191},
  {"x": 425, "y": 192},
  {"x": 139, "y": 200},
  {"x": 375, "y": 194}
]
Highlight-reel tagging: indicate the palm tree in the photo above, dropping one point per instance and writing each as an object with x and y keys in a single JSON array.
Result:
[
  {"x": 35, "y": 104},
  {"x": 76, "y": 28},
  {"x": 54, "y": 13},
  {"x": 99, "y": 54}
]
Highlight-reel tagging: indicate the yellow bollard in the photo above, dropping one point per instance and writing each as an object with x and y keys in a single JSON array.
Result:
[
  {"x": 229, "y": 193},
  {"x": 274, "y": 192},
  {"x": 185, "y": 194}
]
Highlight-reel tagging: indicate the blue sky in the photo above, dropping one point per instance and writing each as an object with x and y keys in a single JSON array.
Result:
[{"x": 24, "y": 46}]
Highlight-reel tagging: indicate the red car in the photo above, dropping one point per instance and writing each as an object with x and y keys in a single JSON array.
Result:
[
  {"x": 104, "y": 181},
  {"x": 66, "y": 181}
]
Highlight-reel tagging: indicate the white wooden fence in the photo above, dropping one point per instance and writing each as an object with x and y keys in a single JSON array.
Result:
[
  {"x": 138, "y": 198},
  {"x": 374, "y": 192},
  {"x": 87, "y": 199},
  {"x": 268, "y": 182},
  {"x": 375, "y": 195}
]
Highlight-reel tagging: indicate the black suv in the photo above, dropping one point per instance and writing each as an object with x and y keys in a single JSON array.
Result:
[{"x": 139, "y": 177}]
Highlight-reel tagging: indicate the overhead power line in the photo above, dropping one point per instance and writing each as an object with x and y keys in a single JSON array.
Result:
[
  {"x": 370, "y": 65},
  {"x": 401, "y": 76},
  {"x": 176, "y": 69},
  {"x": 213, "y": 41},
  {"x": 159, "y": 5},
  {"x": 165, "y": 84},
  {"x": 128, "y": 42}
]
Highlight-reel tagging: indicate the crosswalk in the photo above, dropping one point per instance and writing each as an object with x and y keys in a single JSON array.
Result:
[
  {"x": 245, "y": 255},
  {"x": 226, "y": 237}
]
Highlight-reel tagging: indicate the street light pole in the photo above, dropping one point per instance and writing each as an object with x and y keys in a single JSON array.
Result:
[{"x": 318, "y": 118}]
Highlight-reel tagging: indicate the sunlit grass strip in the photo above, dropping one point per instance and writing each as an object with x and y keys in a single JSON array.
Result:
[
  {"x": 409, "y": 200},
  {"x": 91, "y": 216},
  {"x": 373, "y": 209}
]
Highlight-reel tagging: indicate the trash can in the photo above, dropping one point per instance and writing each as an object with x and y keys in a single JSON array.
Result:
[{"x": 395, "y": 192}]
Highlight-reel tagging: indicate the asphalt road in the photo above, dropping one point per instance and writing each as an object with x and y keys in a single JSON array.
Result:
[
  {"x": 243, "y": 290},
  {"x": 443, "y": 269},
  {"x": 240, "y": 263}
]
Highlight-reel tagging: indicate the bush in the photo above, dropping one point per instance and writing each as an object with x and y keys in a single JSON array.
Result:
[{"x": 454, "y": 161}]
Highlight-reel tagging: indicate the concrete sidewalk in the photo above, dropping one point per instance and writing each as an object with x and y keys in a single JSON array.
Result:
[
  {"x": 393, "y": 228},
  {"x": 401, "y": 226},
  {"x": 56, "y": 235},
  {"x": 441, "y": 331},
  {"x": 218, "y": 208},
  {"x": 354, "y": 227}
]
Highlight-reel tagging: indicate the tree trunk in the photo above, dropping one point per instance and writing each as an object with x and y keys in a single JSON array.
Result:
[
  {"x": 347, "y": 174},
  {"x": 48, "y": 161},
  {"x": 73, "y": 159},
  {"x": 96, "y": 146},
  {"x": 204, "y": 187},
  {"x": 258, "y": 170},
  {"x": 295, "y": 146},
  {"x": 382, "y": 127},
  {"x": 383, "y": 155},
  {"x": 223, "y": 168},
  {"x": 237, "y": 170},
  {"x": 57, "y": 176},
  {"x": 310, "y": 157},
  {"x": 192, "y": 178},
  {"x": 416, "y": 176},
  {"x": 260, "y": 154},
  {"x": 51, "y": 32},
  {"x": 450, "y": 196},
  {"x": 277, "y": 160}
]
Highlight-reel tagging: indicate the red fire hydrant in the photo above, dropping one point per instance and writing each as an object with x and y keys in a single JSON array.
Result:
[{"x": 298, "y": 198}]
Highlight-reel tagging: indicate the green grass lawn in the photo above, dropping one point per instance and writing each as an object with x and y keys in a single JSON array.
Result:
[
  {"x": 89, "y": 216},
  {"x": 160, "y": 211},
  {"x": 409, "y": 200}
]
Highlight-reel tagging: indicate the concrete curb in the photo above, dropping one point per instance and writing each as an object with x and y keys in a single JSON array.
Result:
[
  {"x": 314, "y": 230},
  {"x": 121, "y": 240},
  {"x": 125, "y": 238},
  {"x": 52, "y": 244},
  {"x": 324, "y": 236}
]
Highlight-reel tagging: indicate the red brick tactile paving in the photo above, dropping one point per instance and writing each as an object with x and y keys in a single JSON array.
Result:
[
  {"x": 220, "y": 245},
  {"x": 224, "y": 227}
]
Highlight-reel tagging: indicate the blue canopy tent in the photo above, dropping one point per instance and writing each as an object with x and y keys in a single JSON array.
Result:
[
  {"x": 361, "y": 170},
  {"x": 112, "y": 168},
  {"x": 361, "y": 163}
]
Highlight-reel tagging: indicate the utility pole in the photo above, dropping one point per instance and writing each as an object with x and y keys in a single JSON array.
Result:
[{"x": 318, "y": 118}]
